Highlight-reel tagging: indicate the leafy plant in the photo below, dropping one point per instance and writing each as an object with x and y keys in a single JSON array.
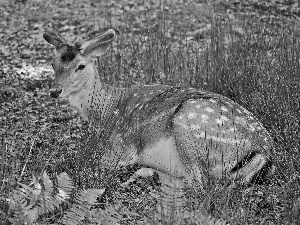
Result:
[{"x": 29, "y": 202}]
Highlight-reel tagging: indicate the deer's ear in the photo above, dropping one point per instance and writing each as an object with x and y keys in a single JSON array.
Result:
[
  {"x": 54, "y": 39},
  {"x": 97, "y": 45}
]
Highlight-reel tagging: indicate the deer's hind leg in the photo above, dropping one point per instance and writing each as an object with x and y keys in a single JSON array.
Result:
[{"x": 191, "y": 151}]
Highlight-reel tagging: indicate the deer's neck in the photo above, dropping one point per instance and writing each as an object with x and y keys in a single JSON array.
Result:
[{"x": 97, "y": 101}]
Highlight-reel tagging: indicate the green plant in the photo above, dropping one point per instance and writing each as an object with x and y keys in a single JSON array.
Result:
[{"x": 29, "y": 203}]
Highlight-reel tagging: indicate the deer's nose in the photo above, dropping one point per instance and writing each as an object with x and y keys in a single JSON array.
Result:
[{"x": 54, "y": 92}]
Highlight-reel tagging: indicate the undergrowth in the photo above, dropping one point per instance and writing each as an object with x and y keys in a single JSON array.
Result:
[{"x": 255, "y": 65}]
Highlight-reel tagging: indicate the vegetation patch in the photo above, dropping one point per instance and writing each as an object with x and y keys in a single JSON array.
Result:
[{"x": 245, "y": 50}]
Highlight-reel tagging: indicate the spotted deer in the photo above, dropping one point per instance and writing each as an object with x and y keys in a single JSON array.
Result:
[{"x": 187, "y": 135}]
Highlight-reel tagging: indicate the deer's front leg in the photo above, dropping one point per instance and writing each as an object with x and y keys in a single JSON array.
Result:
[
  {"x": 172, "y": 199},
  {"x": 126, "y": 155}
]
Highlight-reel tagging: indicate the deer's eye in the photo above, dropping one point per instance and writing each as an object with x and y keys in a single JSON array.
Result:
[
  {"x": 52, "y": 65},
  {"x": 81, "y": 67}
]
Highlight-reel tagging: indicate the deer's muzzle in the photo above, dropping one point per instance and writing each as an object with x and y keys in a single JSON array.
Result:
[{"x": 55, "y": 92}]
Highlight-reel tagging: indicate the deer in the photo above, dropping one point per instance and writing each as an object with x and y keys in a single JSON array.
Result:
[{"x": 187, "y": 135}]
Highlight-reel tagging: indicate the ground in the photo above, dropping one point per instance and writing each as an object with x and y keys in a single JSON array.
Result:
[{"x": 39, "y": 133}]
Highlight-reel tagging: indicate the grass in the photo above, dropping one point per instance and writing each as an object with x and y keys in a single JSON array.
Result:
[
  {"x": 255, "y": 65},
  {"x": 258, "y": 70}
]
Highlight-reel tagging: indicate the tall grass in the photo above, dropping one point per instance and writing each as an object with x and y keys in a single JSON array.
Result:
[{"x": 253, "y": 64}]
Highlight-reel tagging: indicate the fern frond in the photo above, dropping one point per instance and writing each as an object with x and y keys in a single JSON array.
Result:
[
  {"x": 199, "y": 218},
  {"x": 47, "y": 204},
  {"x": 83, "y": 202},
  {"x": 75, "y": 215},
  {"x": 65, "y": 184},
  {"x": 22, "y": 203},
  {"x": 110, "y": 215},
  {"x": 48, "y": 185},
  {"x": 29, "y": 203},
  {"x": 90, "y": 196}
]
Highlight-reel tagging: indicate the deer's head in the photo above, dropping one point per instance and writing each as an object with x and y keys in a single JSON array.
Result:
[{"x": 74, "y": 65}]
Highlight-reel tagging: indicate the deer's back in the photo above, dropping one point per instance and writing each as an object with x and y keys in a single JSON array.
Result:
[{"x": 213, "y": 129}]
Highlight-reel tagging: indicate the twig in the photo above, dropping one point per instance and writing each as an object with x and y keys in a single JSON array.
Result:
[{"x": 30, "y": 150}]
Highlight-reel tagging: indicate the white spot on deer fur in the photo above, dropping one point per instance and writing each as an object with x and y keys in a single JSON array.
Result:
[
  {"x": 192, "y": 101},
  {"x": 204, "y": 118},
  {"x": 191, "y": 115},
  {"x": 231, "y": 141},
  {"x": 200, "y": 135},
  {"x": 266, "y": 147},
  {"x": 247, "y": 112},
  {"x": 210, "y": 110},
  {"x": 213, "y": 101},
  {"x": 250, "y": 117},
  {"x": 229, "y": 103},
  {"x": 240, "y": 120},
  {"x": 182, "y": 122},
  {"x": 221, "y": 120},
  {"x": 180, "y": 117},
  {"x": 198, "y": 106},
  {"x": 256, "y": 125},
  {"x": 258, "y": 128},
  {"x": 232, "y": 129},
  {"x": 195, "y": 127},
  {"x": 183, "y": 125},
  {"x": 239, "y": 111},
  {"x": 224, "y": 109},
  {"x": 266, "y": 139},
  {"x": 252, "y": 127}
]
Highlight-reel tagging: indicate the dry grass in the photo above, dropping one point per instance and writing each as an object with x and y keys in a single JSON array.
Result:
[{"x": 254, "y": 64}]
